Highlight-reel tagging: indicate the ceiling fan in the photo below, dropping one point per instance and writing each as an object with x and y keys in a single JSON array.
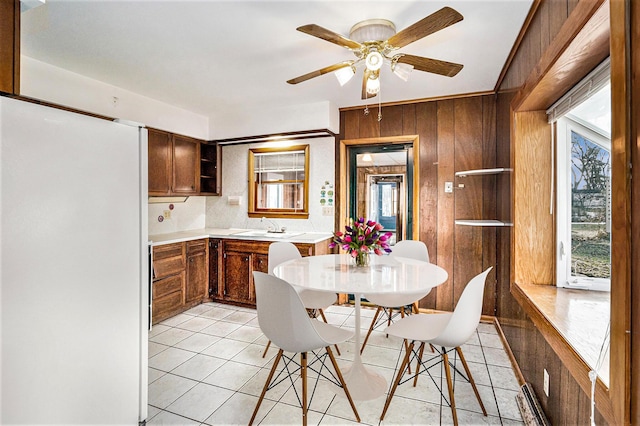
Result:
[{"x": 375, "y": 41}]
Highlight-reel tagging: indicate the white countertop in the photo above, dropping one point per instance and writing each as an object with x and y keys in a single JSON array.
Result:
[{"x": 237, "y": 233}]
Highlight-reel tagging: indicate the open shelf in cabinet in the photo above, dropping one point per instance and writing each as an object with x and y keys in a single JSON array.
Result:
[{"x": 210, "y": 169}]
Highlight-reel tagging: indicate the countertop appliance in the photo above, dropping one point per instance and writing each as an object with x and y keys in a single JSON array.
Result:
[{"x": 74, "y": 267}]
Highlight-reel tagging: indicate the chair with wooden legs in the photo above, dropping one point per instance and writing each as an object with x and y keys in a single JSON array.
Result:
[
  {"x": 314, "y": 301},
  {"x": 442, "y": 331},
  {"x": 284, "y": 320},
  {"x": 388, "y": 303}
]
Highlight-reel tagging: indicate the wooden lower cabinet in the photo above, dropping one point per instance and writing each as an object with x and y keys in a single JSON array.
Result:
[
  {"x": 197, "y": 285},
  {"x": 169, "y": 279},
  {"x": 180, "y": 278},
  {"x": 236, "y": 262}
]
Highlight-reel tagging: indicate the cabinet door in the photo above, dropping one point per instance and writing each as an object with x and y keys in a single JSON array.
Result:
[
  {"x": 197, "y": 285},
  {"x": 186, "y": 165},
  {"x": 237, "y": 270},
  {"x": 261, "y": 264},
  {"x": 168, "y": 297},
  {"x": 160, "y": 162},
  {"x": 214, "y": 269}
]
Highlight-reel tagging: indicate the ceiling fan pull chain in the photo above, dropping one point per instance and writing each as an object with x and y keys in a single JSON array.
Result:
[
  {"x": 366, "y": 110},
  {"x": 380, "y": 105}
]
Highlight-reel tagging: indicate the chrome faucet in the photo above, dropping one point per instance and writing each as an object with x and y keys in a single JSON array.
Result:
[{"x": 275, "y": 228}]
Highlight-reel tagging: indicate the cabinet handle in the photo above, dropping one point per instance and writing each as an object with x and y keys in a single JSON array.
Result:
[{"x": 191, "y": 260}]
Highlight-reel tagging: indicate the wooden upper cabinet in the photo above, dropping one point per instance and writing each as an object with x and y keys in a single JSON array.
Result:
[
  {"x": 160, "y": 162},
  {"x": 174, "y": 164},
  {"x": 186, "y": 165}
]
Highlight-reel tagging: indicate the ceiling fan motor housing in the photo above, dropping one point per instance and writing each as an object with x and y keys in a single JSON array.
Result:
[{"x": 372, "y": 30}]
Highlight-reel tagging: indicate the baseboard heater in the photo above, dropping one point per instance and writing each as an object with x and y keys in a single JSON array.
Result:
[{"x": 530, "y": 408}]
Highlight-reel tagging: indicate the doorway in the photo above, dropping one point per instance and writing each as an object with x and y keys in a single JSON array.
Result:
[
  {"x": 385, "y": 203},
  {"x": 379, "y": 181}
]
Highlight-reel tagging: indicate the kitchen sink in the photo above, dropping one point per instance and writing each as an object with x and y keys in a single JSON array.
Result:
[{"x": 267, "y": 234}]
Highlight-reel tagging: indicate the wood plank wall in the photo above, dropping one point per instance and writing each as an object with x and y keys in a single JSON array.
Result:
[
  {"x": 454, "y": 134},
  {"x": 568, "y": 404}
]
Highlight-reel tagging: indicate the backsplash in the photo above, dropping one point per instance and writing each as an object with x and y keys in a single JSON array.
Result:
[
  {"x": 222, "y": 213},
  {"x": 184, "y": 216}
]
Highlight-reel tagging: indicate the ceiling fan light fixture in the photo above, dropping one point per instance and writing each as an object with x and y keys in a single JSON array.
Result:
[
  {"x": 402, "y": 70},
  {"x": 344, "y": 75},
  {"x": 374, "y": 60},
  {"x": 373, "y": 86}
]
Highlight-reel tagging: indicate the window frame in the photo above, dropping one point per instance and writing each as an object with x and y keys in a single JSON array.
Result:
[
  {"x": 253, "y": 210},
  {"x": 564, "y": 126}
]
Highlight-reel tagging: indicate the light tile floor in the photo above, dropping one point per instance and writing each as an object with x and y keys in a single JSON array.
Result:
[{"x": 206, "y": 368}]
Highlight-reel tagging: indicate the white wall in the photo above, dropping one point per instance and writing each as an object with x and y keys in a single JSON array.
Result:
[
  {"x": 42, "y": 81},
  {"x": 235, "y": 182},
  {"x": 266, "y": 121},
  {"x": 184, "y": 216}
]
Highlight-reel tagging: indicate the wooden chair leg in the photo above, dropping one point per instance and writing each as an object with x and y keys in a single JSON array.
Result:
[
  {"x": 406, "y": 347},
  {"x": 399, "y": 375},
  {"x": 375, "y": 317},
  {"x": 415, "y": 379},
  {"x": 452, "y": 401},
  {"x": 342, "y": 382},
  {"x": 266, "y": 386},
  {"x": 473, "y": 383},
  {"x": 266, "y": 349},
  {"x": 325, "y": 320},
  {"x": 303, "y": 374}
]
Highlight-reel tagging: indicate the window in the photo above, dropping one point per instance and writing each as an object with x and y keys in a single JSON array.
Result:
[
  {"x": 278, "y": 182},
  {"x": 584, "y": 192}
]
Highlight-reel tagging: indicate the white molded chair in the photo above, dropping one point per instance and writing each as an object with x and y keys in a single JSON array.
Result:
[
  {"x": 314, "y": 301},
  {"x": 442, "y": 330},
  {"x": 284, "y": 320},
  {"x": 388, "y": 302}
]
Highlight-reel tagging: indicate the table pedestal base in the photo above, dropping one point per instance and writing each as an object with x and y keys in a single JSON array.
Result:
[{"x": 364, "y": 384}]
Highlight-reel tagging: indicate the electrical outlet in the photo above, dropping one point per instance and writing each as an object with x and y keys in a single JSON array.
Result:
[
  {"x": 546, "y": 382},
  {"x": 167, "y": 214},
  {"x": 448, "y": 187}
]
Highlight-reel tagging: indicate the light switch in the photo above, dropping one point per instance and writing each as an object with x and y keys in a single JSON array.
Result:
[{"x": 327, "y": 211}]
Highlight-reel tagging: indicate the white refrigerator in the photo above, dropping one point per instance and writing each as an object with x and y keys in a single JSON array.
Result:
[{"x": 74, "y": 287}]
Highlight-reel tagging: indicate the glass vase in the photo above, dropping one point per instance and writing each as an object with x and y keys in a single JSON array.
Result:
[{"x": 361, "y": 259}]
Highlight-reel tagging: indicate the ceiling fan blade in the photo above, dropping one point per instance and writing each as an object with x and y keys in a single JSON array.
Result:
[
  {"x": 365, "y": 77},
  {"x": 321, "y": 71},
  {"x": 429, "y": 25},
  {"x": 435, "y": 66},
  {"x": 328, "y": 35}
]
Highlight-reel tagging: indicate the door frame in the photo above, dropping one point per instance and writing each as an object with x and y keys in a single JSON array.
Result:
[{"x": 343, "y": 175}]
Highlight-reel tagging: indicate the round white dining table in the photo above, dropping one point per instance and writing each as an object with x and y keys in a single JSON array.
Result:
[{"x": 337, "y": 273}]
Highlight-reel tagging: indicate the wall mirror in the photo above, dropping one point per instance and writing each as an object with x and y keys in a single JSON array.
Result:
[{"x": 279, "y": 182}]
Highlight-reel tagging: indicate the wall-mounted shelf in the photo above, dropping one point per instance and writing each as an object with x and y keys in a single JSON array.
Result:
[
  {"x": 476, "y": 172},
  {"x": 482, "y": 222}
]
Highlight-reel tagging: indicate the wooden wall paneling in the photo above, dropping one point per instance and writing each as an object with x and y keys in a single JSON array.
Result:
[
  {"x": 533, "y": 248},
  {"x": 571, "y": 4},
  {"x": 446, "y": 202},
  {"x": 351, "y": 120},
  {"x": 503, "y": 181},
  {"x": 625, "y": 248},
  {"x": 391, "y": 123},
  {"x": 558, "y": 13},
  {"x": 426, "y": 128},
  {"x": 409, "y": 119},
  {"x": 10, "y": 47},
  {"x": 580, "y": 45},
  {"x": 545, "y": 32},
  {"x": 468, "y": 200},
  {"x": 489, "y": 203},
  {"x": 369, "y": 124}
]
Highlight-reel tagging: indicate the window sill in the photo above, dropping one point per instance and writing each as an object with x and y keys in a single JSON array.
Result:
[{"x": 574, "y": 323}]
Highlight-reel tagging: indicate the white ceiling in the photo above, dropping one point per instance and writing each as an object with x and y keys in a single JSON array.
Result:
[{"x": 214, "y": 56}]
